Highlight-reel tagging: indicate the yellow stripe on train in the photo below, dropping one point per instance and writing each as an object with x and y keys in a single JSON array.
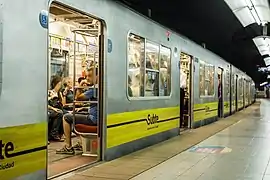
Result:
[
  {"x": 226, "y": 107},
  {"x": 22, "y": 150},
  {"x": 205, "y": 111},
  {"x": 129, "y": 126}
]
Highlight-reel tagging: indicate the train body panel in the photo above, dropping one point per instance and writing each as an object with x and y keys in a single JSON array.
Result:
[
  {"x": 130, "y": 123},
  {"x": 23, "y": 110}
]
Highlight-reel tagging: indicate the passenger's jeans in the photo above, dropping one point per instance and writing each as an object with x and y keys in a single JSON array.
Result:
[{"x": 55, "y": 124}]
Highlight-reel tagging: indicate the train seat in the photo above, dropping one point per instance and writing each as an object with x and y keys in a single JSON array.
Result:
[
  {"x": 89, "y": 139},
  {"x": 86, "y": 128}
]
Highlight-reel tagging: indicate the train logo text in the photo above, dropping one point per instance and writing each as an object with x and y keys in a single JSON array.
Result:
[{"x": 152, "y": 120}]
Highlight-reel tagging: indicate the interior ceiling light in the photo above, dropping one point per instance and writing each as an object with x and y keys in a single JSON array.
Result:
[{"x": 250, "y": 11}]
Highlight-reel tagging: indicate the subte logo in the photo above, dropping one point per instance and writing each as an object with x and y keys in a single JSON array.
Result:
[
  {"x": 207, "y": 109},
  {"x": 152, "y": 119},
  {"x": 5, "y": 150}
]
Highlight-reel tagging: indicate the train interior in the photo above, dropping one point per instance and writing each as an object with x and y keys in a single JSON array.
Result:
[
  {"x": 69, "y": 65},
  {"x": 185, "y": 94},
  {"x": 220, "y": 92}
]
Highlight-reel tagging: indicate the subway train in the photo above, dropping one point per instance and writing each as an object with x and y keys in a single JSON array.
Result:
[{"x": 139, "y": 65}]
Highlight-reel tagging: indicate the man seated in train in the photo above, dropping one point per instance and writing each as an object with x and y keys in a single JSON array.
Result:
[{"x": 90, "y": 119}]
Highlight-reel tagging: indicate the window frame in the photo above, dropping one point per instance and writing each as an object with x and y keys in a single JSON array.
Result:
[
  {"x": 127, "y": 67},
  {"x": 206, "y": 63}
]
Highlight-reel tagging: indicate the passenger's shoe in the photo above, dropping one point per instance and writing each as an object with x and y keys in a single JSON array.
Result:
[
  {"x": 66, "y": 150},
  {"x": 78, "y": 147},
  {"x": 57, "y": 138}
]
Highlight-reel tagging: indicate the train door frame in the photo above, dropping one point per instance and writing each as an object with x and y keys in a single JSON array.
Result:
[
  {"x": 221, "y": 111},
  {"x": 101, "y": 130},
  {"x": 191, "y": 86},
  {"x": 236, "y": 92}
]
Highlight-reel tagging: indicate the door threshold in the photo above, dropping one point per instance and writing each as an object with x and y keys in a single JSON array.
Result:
[
  {"x": 72, "y": 172},
  {"x": 185, "y": 129}
]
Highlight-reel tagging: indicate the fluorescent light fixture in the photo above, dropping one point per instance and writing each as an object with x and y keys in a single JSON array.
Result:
[
  {"x": 268, "y": 77},
  {"x": 249, "y": 3},
  {"x": 267, "y": 61},
  {"x": 250, "y": 11},
  {"x": 255, "y": 15},
  {"x": 264, "y": 83},
  {"x": 263, "y": 44},
  {"x": 262, "y": 9}
]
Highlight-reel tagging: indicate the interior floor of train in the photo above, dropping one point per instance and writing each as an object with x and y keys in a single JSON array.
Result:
[
  {"x": 59, "y": 163},
  {"x": 236, "y": 147}
]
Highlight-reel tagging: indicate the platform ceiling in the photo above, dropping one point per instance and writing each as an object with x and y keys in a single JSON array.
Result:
[{"x": 210, "y": 22}]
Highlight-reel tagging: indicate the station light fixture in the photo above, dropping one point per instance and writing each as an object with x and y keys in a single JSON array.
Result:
[
  {"x": 250, "y": 11},
  {"x": 267, "y": 61},
  {"x": 263, "y": 44},
  {"x": 263, "y": 84}
]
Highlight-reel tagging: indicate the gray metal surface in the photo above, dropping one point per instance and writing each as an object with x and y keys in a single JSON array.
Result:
[{"x": 248, "y": 160}]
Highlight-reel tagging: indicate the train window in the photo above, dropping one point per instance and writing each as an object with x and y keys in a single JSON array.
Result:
[
  {"x": 136, "y": 59},
  {"x": 152, "y": 69},
  {"x": 232, "y": 87},
  {"x": 207, "y": 72},
  {"x": 149, "y": 73},
  {"x": 165, "y": 71},
  {"x": 241, "y": 87},
  {"x": 247, "y": 87},
  {"x": 202, "y": 77},
  {"x": 227, "y": 86},
  {"x": 211, "y": 87}
]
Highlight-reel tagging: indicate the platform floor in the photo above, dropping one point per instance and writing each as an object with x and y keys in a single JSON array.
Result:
[{"x": 237, "y": 147}]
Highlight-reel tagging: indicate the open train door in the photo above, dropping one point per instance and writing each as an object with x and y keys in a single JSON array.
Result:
[
  {"x": 220, "y": 93},
  {"x": 81, "y": 37},
  {"x": 186, "y": 91}
]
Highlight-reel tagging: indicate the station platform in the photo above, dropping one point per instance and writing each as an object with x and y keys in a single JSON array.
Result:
[{"x": 233, "y": 148}]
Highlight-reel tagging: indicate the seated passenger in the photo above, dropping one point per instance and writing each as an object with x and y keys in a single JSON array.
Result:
[
  {"x": 130, "y": 94},
  {"x": 90, "y": 119},
  {"x": 55, "y": 112},
  {"x": 67, "y": 91},
  {"x": 80, "y": 79}
]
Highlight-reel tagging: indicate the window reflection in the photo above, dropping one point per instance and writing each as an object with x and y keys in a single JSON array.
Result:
[
  {"x": 149, "y": 68},
  {"x": 136, "y": 65},
  {"x": 207, "y": 74}
]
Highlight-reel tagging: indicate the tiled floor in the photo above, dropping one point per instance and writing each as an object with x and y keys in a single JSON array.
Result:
[
  {"x": 172, "y": 159},
  {"x": 249, "y": 158}
]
